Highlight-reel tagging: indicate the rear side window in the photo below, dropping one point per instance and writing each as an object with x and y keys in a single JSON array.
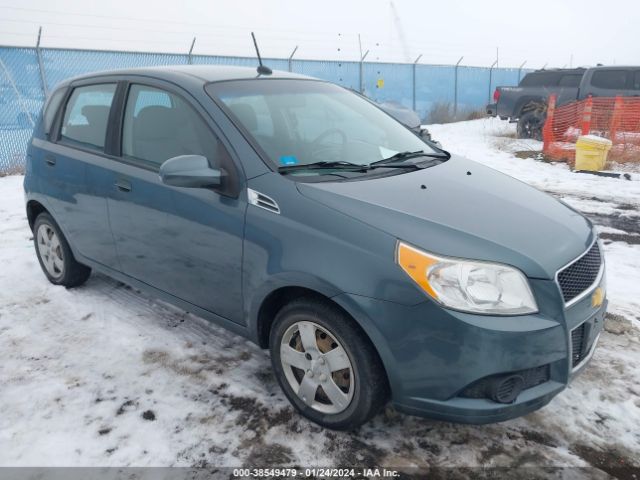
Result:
[
  {"x": 159, "y": 125},
  {"x": 636, "y": 80},
  {"x": 610, "y": 79},
  {"x": 86, "y": 116},
  {"x": 51, "y": 109},
  {"x": 540, "y": 79},
  {"x": 570, "y": 80}
]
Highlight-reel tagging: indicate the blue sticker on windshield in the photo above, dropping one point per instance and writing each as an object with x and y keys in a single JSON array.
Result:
[{"x": 288, "y": 160}]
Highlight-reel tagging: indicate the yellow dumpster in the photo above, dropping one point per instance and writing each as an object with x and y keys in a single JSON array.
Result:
[{"x": 591, "y": 152}]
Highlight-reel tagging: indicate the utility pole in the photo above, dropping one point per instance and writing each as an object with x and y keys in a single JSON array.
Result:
[
  {"x": 415, "y": 64},
  {"x": 362, "y": 71},
  {"x": 291, "y": 58},
  {"x": 520, "y": 70},
  {"x": 43, "y": 77},
  {"x": 189, "y": 58},
  {"x": 490, "y": 77},
  {"x": 455, "y": 90}
]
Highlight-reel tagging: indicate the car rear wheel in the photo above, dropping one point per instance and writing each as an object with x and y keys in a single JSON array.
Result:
[
  {"x": 54, "y": 254},
  {"x": 325, "y": 365}
]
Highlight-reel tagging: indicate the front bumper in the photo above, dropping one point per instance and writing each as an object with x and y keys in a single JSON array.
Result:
[{"x": 433, "y": 355}]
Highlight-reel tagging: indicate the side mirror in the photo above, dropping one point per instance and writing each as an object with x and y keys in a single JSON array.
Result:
[{"x": 190, "y": 171}]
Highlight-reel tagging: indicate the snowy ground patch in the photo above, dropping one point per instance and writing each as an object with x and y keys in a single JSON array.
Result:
[{"x": 104, "y": 375}]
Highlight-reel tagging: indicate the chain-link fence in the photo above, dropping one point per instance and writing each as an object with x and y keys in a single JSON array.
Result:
[{"x": 26, "y": 74}]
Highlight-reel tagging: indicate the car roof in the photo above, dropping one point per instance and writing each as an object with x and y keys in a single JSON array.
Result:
[
  {"x": 203, "y": 73},
  {"x": 559, "y": 70}
]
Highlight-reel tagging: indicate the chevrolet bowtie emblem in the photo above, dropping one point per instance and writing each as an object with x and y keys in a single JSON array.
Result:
[{"x": 597, "y": 297}]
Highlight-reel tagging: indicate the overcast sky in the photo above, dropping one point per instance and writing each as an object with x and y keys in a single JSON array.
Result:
[{"x": 559, "y": 33}]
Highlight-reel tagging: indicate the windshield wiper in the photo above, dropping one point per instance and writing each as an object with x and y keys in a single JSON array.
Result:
[
  {"x": 393, "y": 160},
  {"x": 339, "y": 165}
]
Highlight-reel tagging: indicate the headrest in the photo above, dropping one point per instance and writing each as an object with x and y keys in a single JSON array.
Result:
[
  {"x": 95, "y": 114},
  {"x": 155, "y": 122}
]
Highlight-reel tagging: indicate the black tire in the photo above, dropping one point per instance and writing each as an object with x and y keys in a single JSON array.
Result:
[
  {"x": 370, "y": 387},
  {"x": 72, "y": 273},
  {"x": 530, "y": 125}
]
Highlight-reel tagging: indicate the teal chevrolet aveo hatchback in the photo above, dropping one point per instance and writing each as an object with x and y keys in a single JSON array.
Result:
[{"x": 372, "y": 264}]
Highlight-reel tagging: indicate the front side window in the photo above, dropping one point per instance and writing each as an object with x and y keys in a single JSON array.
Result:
[
  {"x": 302, "y": 122},
  {"x": 159, "y": 125},
  {"x": 610, "y": 79},
  {"x": 86, "y": 116}
]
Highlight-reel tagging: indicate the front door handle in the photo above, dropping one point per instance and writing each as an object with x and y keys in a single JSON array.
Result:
[
  {"x": 123, "y": 185},
  {"x": 50, "y": 159}
]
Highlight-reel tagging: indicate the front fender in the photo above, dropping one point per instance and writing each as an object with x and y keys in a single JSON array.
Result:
[{"x": 280, "y": 280}]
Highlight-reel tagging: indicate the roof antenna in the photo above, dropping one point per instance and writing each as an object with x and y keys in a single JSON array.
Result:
[{"x": 262, "y": 70}]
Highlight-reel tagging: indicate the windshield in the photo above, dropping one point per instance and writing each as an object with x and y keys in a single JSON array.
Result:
[{"x": 303, "y": 122}]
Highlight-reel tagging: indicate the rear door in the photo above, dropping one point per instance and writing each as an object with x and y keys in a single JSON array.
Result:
[
  {"x": 184, "y": 241},
  {"x": 76, "y": 161}
]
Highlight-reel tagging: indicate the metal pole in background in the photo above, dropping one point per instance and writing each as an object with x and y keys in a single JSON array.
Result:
[
  {"x": 362, "y": 70},
  {"x": 43, "y": 78},
  {"x": 520, "y": 70},
  {"x": 455, "y": 90},
  {"x": 189, "y": 59},
  {"x": 490, "y": 77},
  {"x": 414, "y": 80},
  {"x": 291, "y": 57}
]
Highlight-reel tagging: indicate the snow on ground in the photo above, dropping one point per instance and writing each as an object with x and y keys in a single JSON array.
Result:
[{"x": 104, "y": 375}]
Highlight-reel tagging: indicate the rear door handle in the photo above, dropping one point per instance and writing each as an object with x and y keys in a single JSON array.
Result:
[
  {"x": 123, "y": 185},
  {"x": 50, "y": 159}
]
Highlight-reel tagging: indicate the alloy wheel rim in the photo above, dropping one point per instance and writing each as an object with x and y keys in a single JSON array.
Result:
[
  {"x": 50, "y": 250},
  {"x": 317, "y": 367}
]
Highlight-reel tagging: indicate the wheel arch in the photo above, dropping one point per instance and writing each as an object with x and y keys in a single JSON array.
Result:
[
  {"x": 273, "y": 302},
  {"x": 35, "y": 208},
  {"x": 528, "y": 100}
]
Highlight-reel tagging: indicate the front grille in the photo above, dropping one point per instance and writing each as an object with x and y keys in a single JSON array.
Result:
[
  {"x": 578, "y": 337},
  {"x": 580, "y": 275}
]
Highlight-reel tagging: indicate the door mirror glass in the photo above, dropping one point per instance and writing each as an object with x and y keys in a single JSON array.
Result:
[{"x": 190, "y": 171}]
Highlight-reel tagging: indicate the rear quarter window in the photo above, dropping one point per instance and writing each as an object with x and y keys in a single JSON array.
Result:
[
  {"x": 540, "y": 79},
  {"x": 51, "y": 108}
]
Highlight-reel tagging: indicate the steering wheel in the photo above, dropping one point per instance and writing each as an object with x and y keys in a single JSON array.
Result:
[{"x": 317, "y": 148}]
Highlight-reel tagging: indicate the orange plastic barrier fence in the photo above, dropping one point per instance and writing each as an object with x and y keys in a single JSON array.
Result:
[{"x": 615, "y": 118}]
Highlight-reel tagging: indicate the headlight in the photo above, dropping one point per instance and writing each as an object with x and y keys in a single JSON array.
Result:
[{"x": 468, "y": 285}]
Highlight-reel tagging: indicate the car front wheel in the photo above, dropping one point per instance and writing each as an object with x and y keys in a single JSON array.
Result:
[{"x": 326, "y": 366}]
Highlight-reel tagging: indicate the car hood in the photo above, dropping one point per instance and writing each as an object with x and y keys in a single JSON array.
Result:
[{"x": 461, "y": 208}]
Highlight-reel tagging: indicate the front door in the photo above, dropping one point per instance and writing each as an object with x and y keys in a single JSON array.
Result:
[{"x": 184, "y": 241}]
